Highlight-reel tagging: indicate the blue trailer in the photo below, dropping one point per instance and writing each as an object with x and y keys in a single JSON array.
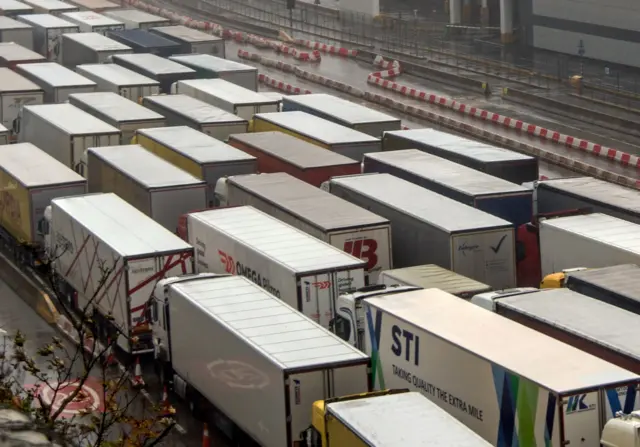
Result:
[
  {"x": 496, "y": 196},
  {"x": 143, "y": 41}
]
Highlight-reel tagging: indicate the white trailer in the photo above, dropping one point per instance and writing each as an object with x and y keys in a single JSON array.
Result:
[
  {"x": 485, "y": 370},
  {"x": 154, "y": 186},
  {"x": 93, "y": 22},
  {"x": 183, "y": 110},
  {"x": 120, "y": 112},
  {"x": 12, "y": 55},
  {"x": 47, "y": 33},
  {"x": 65, "y": 132},
  {"x": 191, "y": 40},
  {"x": 56, "y": 81},
  {"x": 12, "y": 30},
  {"x": 120, "y": 80},
  {"x": 163, "y": 70},
  {"x": 432, "y": 229},
  {"x": 95, "y": 5},
  {"x": 228, "y": 96},
  {"x": 210, "y": 66},
  {"x": 53, "y": 7},
  {"x": 304, "y": 272},
  {"x": 16, "y": 92},
  {"x": 327, "y": 217},
  {"x": 136, "y": 251},
  {"x": 5, "y": 135},
  {"x": 13, "y": 8},
  {"x": 592, "y": 240},
  {"x": 89, "y": 48},
  {"x": 136, "y": 19},
  {"x": 258, "y": 361}
]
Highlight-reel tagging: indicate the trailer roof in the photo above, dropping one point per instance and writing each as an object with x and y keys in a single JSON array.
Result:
[
  {"x": 194, "y": 109},
  {"x": 97, "y": 41},
  {"x": 420, "y": 203},
  {"x": 116, "y": 107},
  {"x": 71, "y": 119},
  {"x": 285, "y": 336},
  {"x": 433, "y": 276},
  {"x": 117, "y": 74},
  {"x": 51, "y": 5},
  {"x": 91, "y": 18},
  {"x": 135, "y": 15},
  {"x": 405, "y": 419},
  {"x": 12, "y": 5},
  {"x": 295, "y": 250},
  {"x": 307, "y": 202},
  {"x": 34, "y": 168},
  {"x": 153, "y": 63},
  {"x": 211, "y": 62},
  {"x": 143, "y": 38},
  {"x": 593, "y": 189},
  {"x": 186, "y": 34},
  {"x": 228, "y": 91},
  {"x": 7, "y": 23},
  {"x": 459, "y": 145},
  {"x": 600, "y": 227},
  {"x": 95, "y": 5},
  {"x": 55, "y": 74},
  {"x": 316, "y": 128},
  {"x": 47, "y": 21},
  {"x": 144, "y": 167},
  {"x": 448, "y": 173},
  {"x": 121, "y": 226},
  {"x": 11, "y": 51},
  {"x": 619, "y": 279},
  {"x": 195, "y": 145},
  {"x": 341, "y": 109},
  {"x": 601, "y": 323},
  {"x": 10, "y": 81},
  {"x": 293, "y": 150},
  {"x": 546, "y": 361}
]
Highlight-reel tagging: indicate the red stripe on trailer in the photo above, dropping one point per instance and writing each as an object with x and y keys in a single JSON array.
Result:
[
  {"x": 168, "y": 266},
  {"x": 75, "y": 259}
]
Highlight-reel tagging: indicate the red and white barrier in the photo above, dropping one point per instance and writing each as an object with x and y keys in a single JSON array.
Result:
[
  {"x": 281, "y": 85},
  {"x": 329, "y": 49}
]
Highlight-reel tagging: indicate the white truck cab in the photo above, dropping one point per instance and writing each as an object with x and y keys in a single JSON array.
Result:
[
  {"x": 622, "y": 431},
  {"x": 487, "y": 300}
]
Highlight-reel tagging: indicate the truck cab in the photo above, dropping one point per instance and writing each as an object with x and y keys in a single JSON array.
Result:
[
  {"x": 349, "y": 322},
  {"x": 622, "y": 431},
  {"x": 558, "y": 280},
  {"x": 488, "y": 300}
]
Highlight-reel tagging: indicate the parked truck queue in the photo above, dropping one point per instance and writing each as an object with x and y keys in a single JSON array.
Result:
[{"x": 374, "y": 286}]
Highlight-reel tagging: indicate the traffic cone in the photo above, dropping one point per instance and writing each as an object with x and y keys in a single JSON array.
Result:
[
  {"x": 167, "y": 409},
  {"x": 138, "y": 381},
  {"x": 110, "y": 359},
  {"x": 206, "y": 442}
]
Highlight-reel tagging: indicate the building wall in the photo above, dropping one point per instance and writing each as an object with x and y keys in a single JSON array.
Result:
[{"x": 609, "y": 29}]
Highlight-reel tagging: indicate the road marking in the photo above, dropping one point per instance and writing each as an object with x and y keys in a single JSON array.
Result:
[{"x": 88, "y": 399}]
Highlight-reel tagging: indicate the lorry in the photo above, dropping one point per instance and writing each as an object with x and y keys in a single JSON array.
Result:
[
  {"x": 433, "y": 276},
  {"x": 499, "y": 197},
  {"x": 197, "y": 153},
  {"x": 595, "y": 240},
  {"x": 389, "y": 418},
  {"x": 29, "y": 180},
  {"x": 136, "y": 19},
  {"x": 280, "y": 152},
  {"x": 183, "y": 110},
  {"x": 152, "y": 185},
  {"x": 12, "y": 30},
  {"x": 144, "y": 41},
  {"x": 56, "y": 81},
  {"x": 116, "y": 273},
  {"x": 228, "y": 96},
  {"x": 432, "y": 229},
  {"x": 191, "y": 40},
  {"x": 261, "y": 375},
  {"x": 13, "y": 8},
  {"x": 95, "y": 5},
  {"x": 93, "y": 22},
  {"x": 318, "y": 131},
  {"x": 47, "y": 33},
  {"x": 558, "y": 195},
  {"x": 53, "y": 7},
  {"x": 502, "y": 163},
  {"x": 325, "y": 216},
  {"x": 343, "y": 112},
  {"x": 16, "y": 92},
  {"x": 5, "y": 137},
  {"x": 210, "y": 66},
  {"x": 122, "y": 113},
  {"x": 119, "y": 80},
  {"x": 302, "y": 271},
  {"x": 155, "y": 67},
  {"x": 12, "y": 54},
  {"x": 484, "y": 369},
  {"x": 89, "y": 48},
  {"x": 65, "y": 132}
]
